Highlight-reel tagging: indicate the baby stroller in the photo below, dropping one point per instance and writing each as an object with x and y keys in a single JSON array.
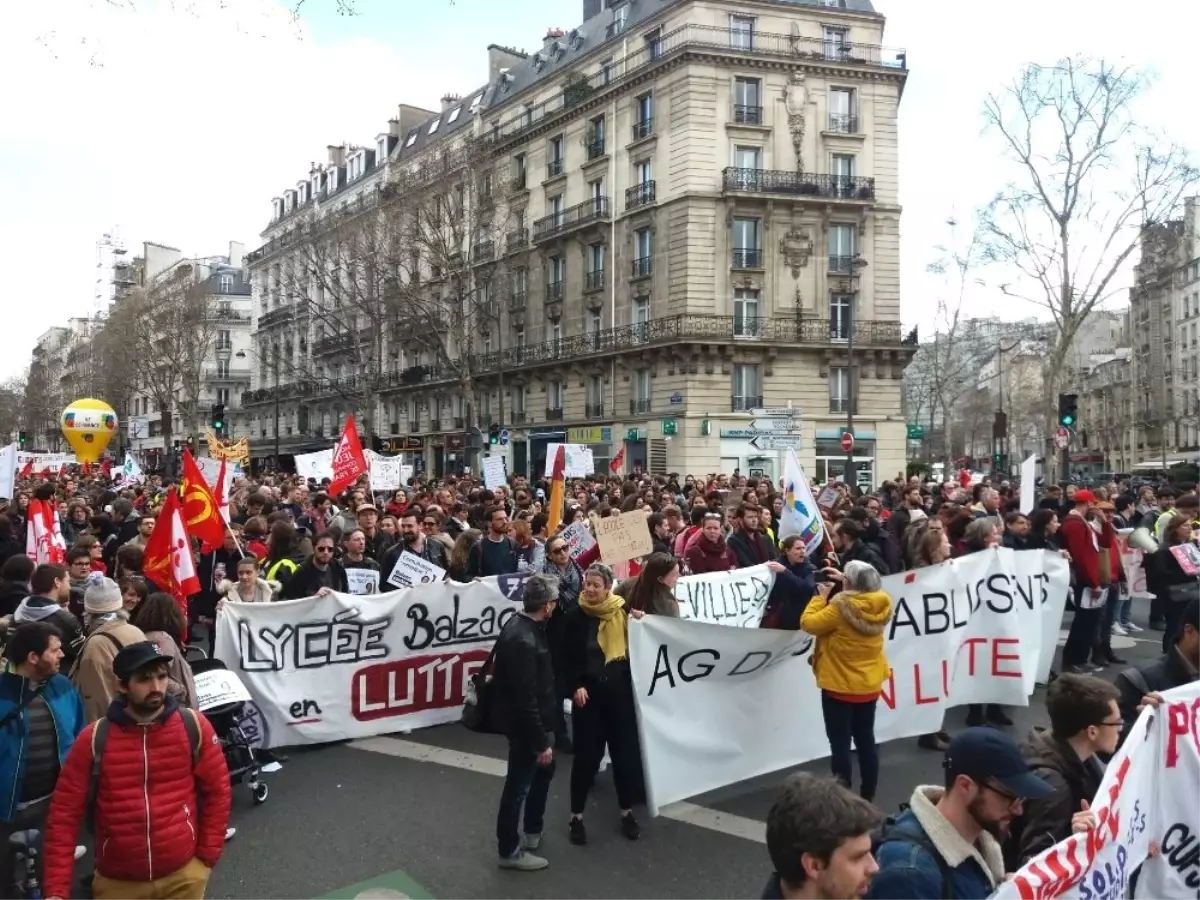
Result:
[{"x": 223, "y": 702}]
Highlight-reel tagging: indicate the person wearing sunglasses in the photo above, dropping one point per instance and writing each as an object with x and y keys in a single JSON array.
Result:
[
  {"x": 948, "y": 843},
  {"x": 320, "y": 574},
  {"x": 1085, "y": 720}
]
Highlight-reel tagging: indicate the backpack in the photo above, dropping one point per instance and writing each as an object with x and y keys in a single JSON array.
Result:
[
  {"x": 888, "y": 832},
  {"x": 191, "y": 724},
  {"x": 83, "y": 646}
]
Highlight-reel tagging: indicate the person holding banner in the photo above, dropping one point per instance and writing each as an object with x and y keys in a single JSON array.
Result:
[{"x": 850, "y": 667}]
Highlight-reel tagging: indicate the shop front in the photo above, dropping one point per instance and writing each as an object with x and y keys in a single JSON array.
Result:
[
  {"x": 598, "y": 439},
  {"x": 411, "y": 451},
  {"x": 539, "y": 440},
  {"x": 739, "y": 455},
  {"x": 831, "y": 459}
]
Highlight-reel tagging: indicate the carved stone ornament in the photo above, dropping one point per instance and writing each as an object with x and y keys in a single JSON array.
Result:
[
  {"x": 796, "y": 246},
  {"x": 795, "y": 98}
]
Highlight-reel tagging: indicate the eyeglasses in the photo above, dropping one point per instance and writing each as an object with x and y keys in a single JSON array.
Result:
[
  {"x": 324, "y": 550},
  {"x": 430, "y": 524},
  {"x": 1120, "y": 723},
  {"x": 562, "y": 548},
  {"x": 1010, "y": 798}
]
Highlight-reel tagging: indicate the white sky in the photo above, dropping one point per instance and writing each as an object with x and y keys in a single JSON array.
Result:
[{"x": 177, "y": 122}]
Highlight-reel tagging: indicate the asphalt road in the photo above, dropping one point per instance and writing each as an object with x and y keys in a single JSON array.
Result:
[{"x": 370, "y": 820}]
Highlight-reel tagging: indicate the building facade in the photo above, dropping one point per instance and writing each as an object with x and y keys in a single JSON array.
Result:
[{"x": 699, "y": 217}]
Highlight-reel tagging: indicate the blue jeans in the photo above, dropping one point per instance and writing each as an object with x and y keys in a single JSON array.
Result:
[
  {"x": 526, "y": 783},
  {"x": 845, "y": 721},
  {"x": 1125, "y": 614}
]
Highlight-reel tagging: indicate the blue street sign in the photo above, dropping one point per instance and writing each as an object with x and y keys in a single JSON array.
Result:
[{"x": 504, "y": 438}]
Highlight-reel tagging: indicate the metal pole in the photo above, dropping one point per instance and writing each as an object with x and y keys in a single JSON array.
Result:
[
  {"x": 277, "y": 420},
  {"x": 849, "y": 470}
]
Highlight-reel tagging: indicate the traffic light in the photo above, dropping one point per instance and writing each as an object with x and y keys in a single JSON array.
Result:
[
  {"x": 22, "y": 437},
  {"x": 218, "y": 418},
  {"x": 177, "y": 444},
  {"x": 494, "y": 433},
  {"x": 997, "y": 458},
  {"x": 1068, "y": 410}
]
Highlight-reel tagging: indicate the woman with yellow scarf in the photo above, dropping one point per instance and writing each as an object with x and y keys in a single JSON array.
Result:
[{"x": 596, "y": 660}]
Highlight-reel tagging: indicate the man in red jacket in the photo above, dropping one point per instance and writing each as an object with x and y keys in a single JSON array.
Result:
[
  {"x": 1083, "y": 542},
  {"x": 161, "y": 798}
]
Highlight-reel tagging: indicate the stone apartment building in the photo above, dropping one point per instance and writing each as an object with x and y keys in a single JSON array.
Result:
[{"x": 700, "y": 217}]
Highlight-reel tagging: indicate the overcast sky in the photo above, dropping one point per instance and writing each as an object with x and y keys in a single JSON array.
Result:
[{"x": 176, "y": 122}]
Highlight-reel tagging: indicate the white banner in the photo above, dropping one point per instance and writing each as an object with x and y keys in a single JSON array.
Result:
[
  {"x": 726, "y": 598},
  {"x": 316, "y": 466},
  {"x": 385, "y": 472},
  {"x": 1149, "y": 793},
  {"x": 719, "y": 705},
  {"x": 339, "y": 666},
  {"x": 8, "y": 471}
]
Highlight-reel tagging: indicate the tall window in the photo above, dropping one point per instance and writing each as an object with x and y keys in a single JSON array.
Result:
[
  {"x": 641, "y": 391},
  {"x": 841, "y": 111},
  {"x": 841, "y": 248},
  {"x": 595, "y": 396},
  {"x": 746, "y": 321},
  {"x": 596, "y": 137},
  {"x": 747, "y": 164},
  {"x": 224, "y": 341},
  {"x": 746, "y": 246},
  {"x": 222, "y": 368},
  {"x": 747, "y": 387},
  {"x": 594, "y": 278},
  {"x": 554, "y": 395},
  {"x": 596, "y": 189},
  {"x": 554, "y": 165},
  {"x": 843, "y": 173},
  {"x": 643, "y": 172},
  {"x": 747, "y": 101},
  {"x": 644, "y": 119},
  {"x": 225, "y": 284},
  {"x": 643, "y": 252},
  {"x": 556, "y": 209},
  {"x": 641, "y": 318},
  {"x": 841, "y": 310},
  {"x": 836, "y": 46},
  {"x": 839, "y": 389},
  {"x": 556, "y": 336},
  {"x": 741, "y": 32}
]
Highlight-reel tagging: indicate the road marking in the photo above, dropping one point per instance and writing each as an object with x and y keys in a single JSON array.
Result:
[{"x": 688, "y": 813}]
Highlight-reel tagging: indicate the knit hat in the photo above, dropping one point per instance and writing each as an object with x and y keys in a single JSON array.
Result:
[{"x": 102, "y": 595}]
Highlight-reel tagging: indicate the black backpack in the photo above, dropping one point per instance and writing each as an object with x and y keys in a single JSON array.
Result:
[{"x": 888, "y": 832}]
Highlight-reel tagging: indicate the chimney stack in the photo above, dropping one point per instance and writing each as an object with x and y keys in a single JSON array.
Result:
[
  {"x": 449, "y": 101},
  {"x": 501, "y": 58},
  {"x": 337, "y": 154},
  {"x": 552, "y": 35}
]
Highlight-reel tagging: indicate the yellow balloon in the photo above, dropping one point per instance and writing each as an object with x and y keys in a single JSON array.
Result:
[{"x": 88, "y": 425}]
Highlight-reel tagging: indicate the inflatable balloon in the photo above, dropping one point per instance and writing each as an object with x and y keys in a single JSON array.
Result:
[{"x": 88, "y": 426}]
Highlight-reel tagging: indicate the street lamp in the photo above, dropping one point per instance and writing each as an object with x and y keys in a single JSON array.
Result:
[{"x": 241, "y": 354}]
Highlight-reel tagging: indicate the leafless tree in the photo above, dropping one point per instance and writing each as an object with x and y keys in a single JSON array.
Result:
[
  {"x": 42, "y": 404},
  {"x": 12, "y": 401},
  {"x": 1088, "y": 180}
]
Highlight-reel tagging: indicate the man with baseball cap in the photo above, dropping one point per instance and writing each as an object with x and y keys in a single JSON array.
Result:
[
  {"x": 948, "y": 842},
  {"x": 159, "y": 795}
]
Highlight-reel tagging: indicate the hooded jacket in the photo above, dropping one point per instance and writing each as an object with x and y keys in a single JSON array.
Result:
[
  {"x": 848, "y": 659},
  {"x": 1047, "y": 821},
  {"x": 43, "y": 609}
]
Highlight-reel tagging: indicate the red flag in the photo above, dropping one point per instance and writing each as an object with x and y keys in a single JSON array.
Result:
[
  {"x": 200, "y": 511},
  {"x": 167, "y": 558},
  {"x": 106, "y": 466},
  {"x": 348, "y": 459},
  {"x": 27, "y": 470},
  {"x": 43, "y": 534},
  {"x": 618, "y": 461},
  {"x": 219, "y": 493}
]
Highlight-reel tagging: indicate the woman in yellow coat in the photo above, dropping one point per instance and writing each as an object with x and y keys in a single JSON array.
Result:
[{"x": 850, "y": 668}]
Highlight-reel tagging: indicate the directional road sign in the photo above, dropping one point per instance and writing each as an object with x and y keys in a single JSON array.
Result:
[
  {"x": 776, "y": 441},
  {"x": 776, "y": 412},
  {"x": 775, "y": 425}
]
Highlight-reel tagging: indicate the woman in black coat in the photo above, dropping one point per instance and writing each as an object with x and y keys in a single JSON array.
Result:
[{"x": 795, "y": 584}]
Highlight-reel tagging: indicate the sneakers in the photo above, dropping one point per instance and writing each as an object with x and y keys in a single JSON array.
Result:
[
  {"x": 1130, "y": 628},
  {"x": 578, "y": 833},
  {"x": 630, "y": 827},
  {"x": 522, "y": 861},
  {"x": 531, "y": 841},
  {"x": 229, "y": 833},
  {"x": 1118, "y": 630}
]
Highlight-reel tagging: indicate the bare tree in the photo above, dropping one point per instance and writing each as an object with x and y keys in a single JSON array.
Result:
[
  {"x": 1089, "y": 179},
  {"x": 41, "y": 405},
  {"x": 168, "y": 328},
  {"x": 12, "y": 401}
]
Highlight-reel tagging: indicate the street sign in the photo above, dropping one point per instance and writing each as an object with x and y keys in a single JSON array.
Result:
[
  {"x": 670, "y": 427},
  {"x": 776, "y": 412},
  {"x": 916, "y": 432},
  {"x": 847, "y": 442},
  {"x": 775, "y": 425},
  {"x": 776, "y": 441},
  {"x": 504, "y": 437},
  {"x": 1062, "y": 438}
]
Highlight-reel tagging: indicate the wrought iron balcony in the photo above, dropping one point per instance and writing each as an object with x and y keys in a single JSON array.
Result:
[
  {"x": 554, "y": 291},
  {"x": 593, "y": 281},
  {"x": 337, "y": 343},
  {"x": 639, "y": 406},
  {"x": 843, "y": 123},
  {"x": 640, "y": 194},
  {"x": 571, "y": 218},
  {"x": 280, "y": 315},
  {"x": 518, "y": 417},
  {"x": 796, "y": 184},
  {"x": 554, "y": 168},
  {"x": 516, "y": 301},
  {"x": 554, "y": 414},
  {"x": 747, "y": 258},
  {"x": 745, "y": 404},
  {"x": 843, "y": 265},
  {"x": 484, "y": 251},
  {"x": 517, "y": 240},
  {"x": 747, "y": 115},
  {"x": 643, "y": 267},
  {"x": 595, "y": 148},
  {"x": 593, "y": 411},
  {"x": 644, "y": 128}
]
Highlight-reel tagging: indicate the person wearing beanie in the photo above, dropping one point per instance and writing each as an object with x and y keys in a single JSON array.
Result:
[{"x": 106, "y": 630}]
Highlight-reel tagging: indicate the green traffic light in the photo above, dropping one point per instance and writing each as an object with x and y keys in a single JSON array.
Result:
[{"x": 1068, "y": 420}]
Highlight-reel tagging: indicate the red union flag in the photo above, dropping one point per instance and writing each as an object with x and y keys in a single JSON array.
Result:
[
  {"x": 348, "y": 459},
  {"x": 167, "y": 559}
]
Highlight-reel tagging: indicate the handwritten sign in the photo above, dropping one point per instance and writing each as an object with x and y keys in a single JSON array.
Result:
[
  {"x": 412, "y": 570},
  {"x": 494, "y": 473},
  {"x": 829, "y": 498},
  {"x": 623, "y": 537},
  {"x": 363, "y": 581},
  {"x": 579, "y": 538},
  {"x": 580, "y": 463}
]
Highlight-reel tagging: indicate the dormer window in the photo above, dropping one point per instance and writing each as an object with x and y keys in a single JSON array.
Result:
[
  {"x": 538, "y": 61},
  {"x": 316, "y": 186},
  {"x": 576, "y": 39},
  {"x": 381, "y": 149},
  {"x": 302, "y": 191},
  {"x": 412, "y": 137},
  {"x": 433, "y": 126},
  {"x": 331, "y": 181},
  {"x": 453, "y": 117},
  {"x": 476, "y": 103}
]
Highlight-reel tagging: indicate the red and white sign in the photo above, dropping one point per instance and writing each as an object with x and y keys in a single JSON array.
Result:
[
  {"x": 1062, "y": 438},
  {"x": 349, "y": 461},
  {"x": 847, "y": 442}
]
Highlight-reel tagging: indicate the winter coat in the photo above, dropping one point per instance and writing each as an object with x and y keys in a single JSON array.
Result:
[
  {"x": 1168, "y": 671},
  {"x": 93, "y": 675},
  {"x": 66, "y": 710},
  {"x": 1047, "y": 820},
  {"x": 1083, "y": 543},
  {"x": 306, "y": 581},
  {"x": 866, "y": 552},
  {"x": 179, "y": 675},
  {"x": 848, "y": 658},
  {"x": 794, "y": 587},
  {"x": 154, "y": 812},
  {"x": 11, "y": 595},
  {"x": 707, "y": 556},
  {"x": 750, "y": 548},
  {"x": 524, "y": 688},
  {"x": 43, "y": 609},
  {"x": 264, "y": 591}
]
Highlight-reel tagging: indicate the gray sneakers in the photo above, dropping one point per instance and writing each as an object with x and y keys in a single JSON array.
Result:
[
  {"x": 531, "y": 841},
  {"x": 523, "y": 861}
]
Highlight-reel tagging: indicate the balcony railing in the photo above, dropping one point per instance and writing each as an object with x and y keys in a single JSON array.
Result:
[
  {"x": 518, "y": 417},
  {"x": 593, "y": 281},
  {"x": 639, "y": 406},
  {"x": 484, "y": 251},
  {"x": 280, "y": 315},
  {"x": 796, "y": 184},
  {"x": 554, "y": 291},
  {"x": 554, "y": 168},
  {"x": 516, "y": 240},
  {"x": 745, "y": 403},
  {"x": 595, "y": 148},
  {"x": 519, "y": 181},
  {"x": 843, "y": 265},
  {"x": 640, "y": 194},
  {"x": 746, "y": 258},
  {"x": 593, "y": 411},
  {"x": 747, "y": 115},
  {"x": 577, "y": 216},
  {"x": 843, "y": 123},
  {"x": 554, "y": 414},
  {"x": 643, "y": 266},
  {"x": 516, "y": 301},
  {"x": 644, "y": 128}
]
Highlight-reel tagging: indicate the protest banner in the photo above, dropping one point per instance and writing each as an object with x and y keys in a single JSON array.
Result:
[
  {"x": 735, "y": 598},
  {"x": 494, "y": 472},
  {"x": 718, "y": 705},
  {"x": 316, "y": 466},
  {"x": 579, "y": 538},
  {"x": 623, "y": 537},
  {"x": 579, "y": 460},
  {"x": 411, "y": 570},
  {"x": 1148, "y": 794},
  {"x": 385, "y": 471}
]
